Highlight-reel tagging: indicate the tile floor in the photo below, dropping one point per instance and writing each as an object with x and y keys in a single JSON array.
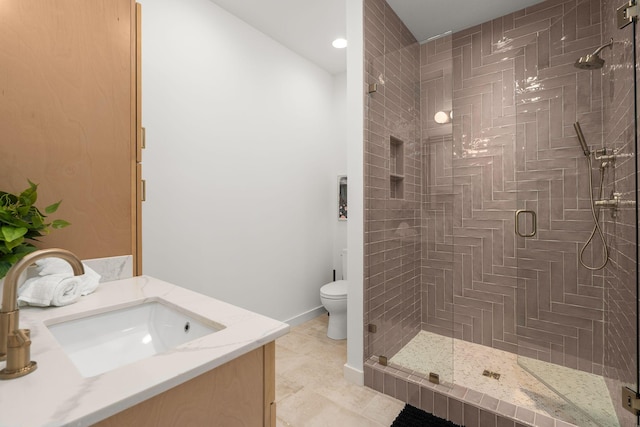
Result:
[
  {"x": 538, "y": 386},
  {"x": 311, "y": 390}
]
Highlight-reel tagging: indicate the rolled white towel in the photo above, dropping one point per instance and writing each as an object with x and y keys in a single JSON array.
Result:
[
  {"x": 54, "y": 289},
  {"x": 89, "y": 281}
]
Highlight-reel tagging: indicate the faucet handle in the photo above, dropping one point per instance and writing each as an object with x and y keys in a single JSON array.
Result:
[
  {"x": 19, "y": 361},
  {"x": 21, "y": 337}
]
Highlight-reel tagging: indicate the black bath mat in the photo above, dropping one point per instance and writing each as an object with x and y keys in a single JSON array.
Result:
[{"x": 410, "y": 416}]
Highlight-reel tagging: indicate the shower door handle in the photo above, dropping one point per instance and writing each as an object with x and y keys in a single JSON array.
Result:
[{"x": 534, "y": 223}]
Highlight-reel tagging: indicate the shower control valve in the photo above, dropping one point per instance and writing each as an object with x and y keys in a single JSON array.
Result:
[
  {"x": 615, "y": 203},
  {"x": 610, "y": 155},
  {"x": 609, "y": 203}
]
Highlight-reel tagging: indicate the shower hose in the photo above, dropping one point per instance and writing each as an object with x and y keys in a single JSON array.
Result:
[{"x": 596, "y": 222}]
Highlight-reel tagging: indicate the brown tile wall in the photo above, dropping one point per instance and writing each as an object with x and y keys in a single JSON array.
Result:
[
  {"x": 445, "y": 257},
  {"x": 515, "y": 97},
  {"x": 620, "y": 274},
  {"x": 392, "y": 220},
  {"x": 438, "y": 202}
]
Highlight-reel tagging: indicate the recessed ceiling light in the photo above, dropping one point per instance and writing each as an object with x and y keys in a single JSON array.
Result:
[{"x": 339, "y": 43}]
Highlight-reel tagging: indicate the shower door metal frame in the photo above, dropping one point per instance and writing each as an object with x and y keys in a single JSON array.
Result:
[{"x": 628, "y": 15}]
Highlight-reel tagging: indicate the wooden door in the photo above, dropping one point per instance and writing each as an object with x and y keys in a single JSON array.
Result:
[{"x": 68, "y": 117}]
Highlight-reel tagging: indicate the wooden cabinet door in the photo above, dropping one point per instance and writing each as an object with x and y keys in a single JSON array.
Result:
[
  {"x": 230, "y": 395},
  {"x": 68, "y": 117}
]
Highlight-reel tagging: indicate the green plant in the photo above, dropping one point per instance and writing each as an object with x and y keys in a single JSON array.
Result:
[{"x": 21, "y": 223}]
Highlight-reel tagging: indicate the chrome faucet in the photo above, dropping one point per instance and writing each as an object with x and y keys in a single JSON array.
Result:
[{"x": 15, "y": 343}]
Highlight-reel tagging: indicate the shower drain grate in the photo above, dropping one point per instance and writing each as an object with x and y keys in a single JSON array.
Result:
[{"x": 491, "y": 374}]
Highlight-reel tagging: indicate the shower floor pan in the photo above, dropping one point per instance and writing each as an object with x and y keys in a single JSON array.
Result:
[{"x": 428, "y": 352}]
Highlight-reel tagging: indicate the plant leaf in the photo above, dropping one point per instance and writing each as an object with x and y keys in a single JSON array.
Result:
[
  {"x": 7, "y": 218},
  {"x": 29, "y": 196},
  {"x": 32, "y": 234},
  {"x": 37, "y": 221},
  {"x": 52, "y": 208},
  {"x": 25, "y": 248},
  {"x": 59, "y": 223},
  {"x": 4, "y": 268},
  {"x": 14, "y": 243},
  {"x": 22, "y": 224},
  {"x": 7, "y": 258},
  {"x": 11, "y": 234},
  {"x": 23, "y": 210}
]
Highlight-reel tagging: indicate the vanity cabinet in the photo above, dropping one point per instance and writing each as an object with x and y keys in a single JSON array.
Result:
[
  {"x": 240, "y": 393},
  {"x": 70, "y": 117}
]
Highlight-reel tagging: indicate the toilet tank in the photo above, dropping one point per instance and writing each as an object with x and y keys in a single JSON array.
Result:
[{"x": 344, "y": 264}]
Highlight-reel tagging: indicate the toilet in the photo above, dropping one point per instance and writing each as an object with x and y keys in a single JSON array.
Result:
[{"x": 334, "y": 299}]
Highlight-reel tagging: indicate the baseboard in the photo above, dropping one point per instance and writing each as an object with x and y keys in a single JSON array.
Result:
[
  {"x": 353, "y": 375},
  {"x": 306, "y": 316}
]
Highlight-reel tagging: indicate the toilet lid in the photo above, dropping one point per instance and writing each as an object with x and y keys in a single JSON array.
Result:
[{"x": 337, "y": 289}]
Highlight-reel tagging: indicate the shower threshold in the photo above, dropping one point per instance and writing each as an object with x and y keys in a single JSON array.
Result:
[{"x": 463, "y": 363}]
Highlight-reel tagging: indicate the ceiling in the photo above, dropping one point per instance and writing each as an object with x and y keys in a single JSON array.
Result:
[
  {"x": 430, "y": 18},
  {"x": 308, "y": 27}
]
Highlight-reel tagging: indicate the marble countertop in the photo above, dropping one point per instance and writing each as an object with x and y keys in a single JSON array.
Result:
[{"x": 57, "y": 395}]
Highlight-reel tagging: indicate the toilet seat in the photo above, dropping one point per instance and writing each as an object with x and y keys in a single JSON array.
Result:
[{"x": 334, "y": 290}]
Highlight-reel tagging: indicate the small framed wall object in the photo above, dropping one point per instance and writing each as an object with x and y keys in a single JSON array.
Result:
[{"x": 342, "y": 197}]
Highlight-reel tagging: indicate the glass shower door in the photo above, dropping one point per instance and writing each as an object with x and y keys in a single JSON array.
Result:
[
  {"x": 438, "y": 204},
  {"x": 407, "y": 308},
  {"x": 576, "y": 286}
]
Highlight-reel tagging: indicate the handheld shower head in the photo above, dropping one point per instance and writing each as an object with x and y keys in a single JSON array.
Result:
[
  {"x": 583, "y": 143},
  {"x": 592, "y": 61}
]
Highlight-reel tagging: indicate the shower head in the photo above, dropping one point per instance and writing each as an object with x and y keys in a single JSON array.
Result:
[
  {"x": 593, "y": 60},
  {"x": 583, "y": 143}
]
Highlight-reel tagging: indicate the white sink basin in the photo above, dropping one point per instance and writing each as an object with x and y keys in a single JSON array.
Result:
[{"x": 101, "y": 342}]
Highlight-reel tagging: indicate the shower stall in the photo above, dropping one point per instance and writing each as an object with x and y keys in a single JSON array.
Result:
[{"x": 501, "y": 226}]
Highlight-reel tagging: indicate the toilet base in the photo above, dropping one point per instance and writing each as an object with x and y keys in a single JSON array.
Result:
[{"x": 337, "y": 329}]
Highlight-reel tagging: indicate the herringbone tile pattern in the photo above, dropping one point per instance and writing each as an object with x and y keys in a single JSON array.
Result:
[
  {"x": 515, "y": 97},
  {"x": 447, "y": 250}
]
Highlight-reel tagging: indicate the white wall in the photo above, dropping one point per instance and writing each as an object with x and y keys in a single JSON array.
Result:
[
  {"x": 241, "y": 161},
  {"x": 353, "y": 369}
]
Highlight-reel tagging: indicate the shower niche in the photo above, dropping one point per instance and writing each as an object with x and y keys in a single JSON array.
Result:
[{"x": 396, "y": 168}]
